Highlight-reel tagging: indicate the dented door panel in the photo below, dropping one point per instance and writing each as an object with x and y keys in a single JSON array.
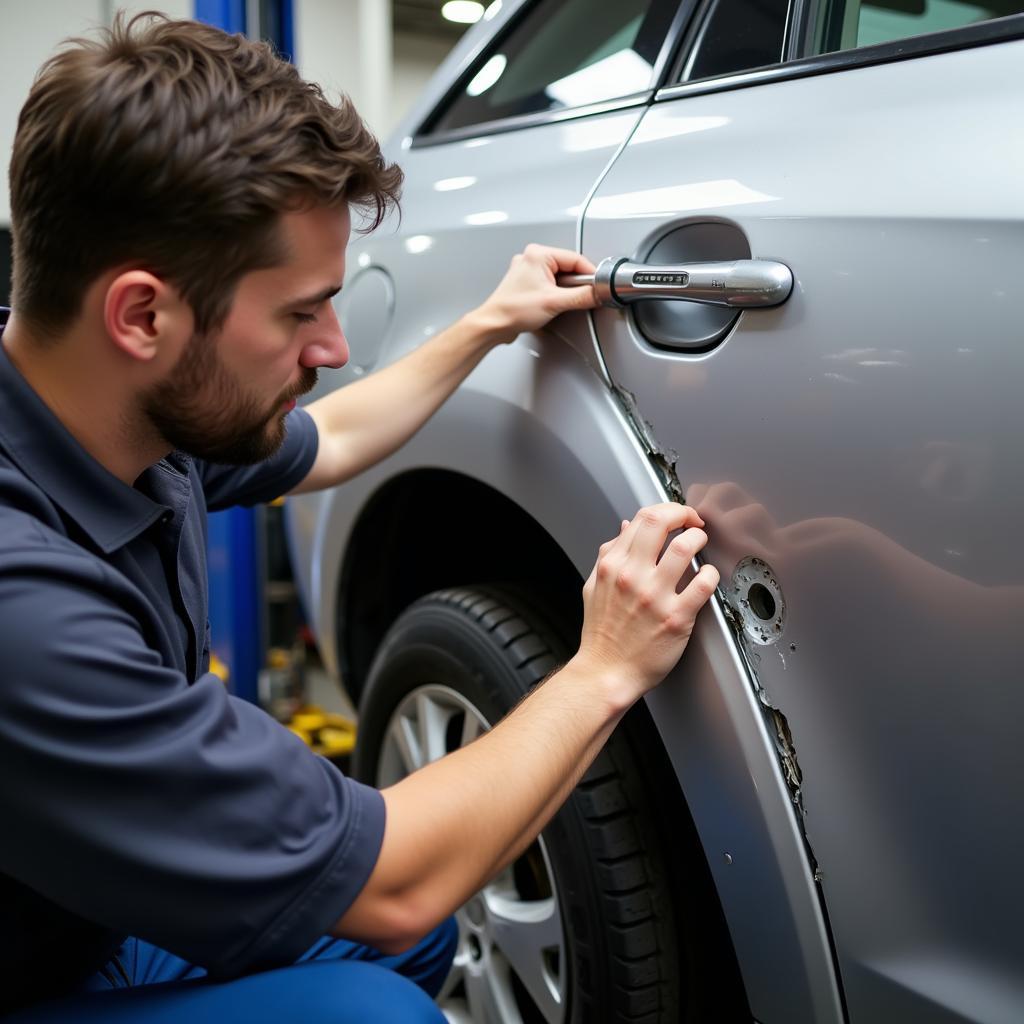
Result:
[{"x": 863, "y": 441}]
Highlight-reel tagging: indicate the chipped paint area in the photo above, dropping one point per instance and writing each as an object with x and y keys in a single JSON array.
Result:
[
  {"x": 778, "y": 725},
  {"x": 662, "y": 459},
  {"x": 664, "y": 462}
]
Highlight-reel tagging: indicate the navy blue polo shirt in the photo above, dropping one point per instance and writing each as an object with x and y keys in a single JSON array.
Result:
[{"x": 139, "y": 797}]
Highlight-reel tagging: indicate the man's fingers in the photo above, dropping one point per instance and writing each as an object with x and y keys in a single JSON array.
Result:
[
  {"x": 651, "y": 526},
  {"x": 698, "y": 591},
  {"x": 563, "y": 261},
  {"x": 580, "y": 297},
  {"x": 604, "y": 550},
  {"x": 680, "y": 552}
]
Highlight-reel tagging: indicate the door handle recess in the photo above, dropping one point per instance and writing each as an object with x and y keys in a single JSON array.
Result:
[{"x": 740, "y": 283}]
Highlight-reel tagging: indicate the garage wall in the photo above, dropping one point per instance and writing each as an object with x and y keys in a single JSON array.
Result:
[
  {"x": 29, "y": 33},
  {"x": 345, "y": 45}
]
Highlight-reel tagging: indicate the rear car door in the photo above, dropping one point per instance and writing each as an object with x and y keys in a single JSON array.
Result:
[{"x": 856, "y": 450}]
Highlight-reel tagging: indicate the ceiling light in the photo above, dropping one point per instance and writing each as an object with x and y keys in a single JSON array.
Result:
[{"x": 466, "y": 12}]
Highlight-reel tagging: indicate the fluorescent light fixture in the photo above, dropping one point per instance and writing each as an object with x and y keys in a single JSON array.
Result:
[
  {"x": 487, "y": 75},
  {"x": 465, "y": 12},
  {"x": 492, "y": 10}
]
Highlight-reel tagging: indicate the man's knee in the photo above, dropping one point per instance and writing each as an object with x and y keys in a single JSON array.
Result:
[{"x": 356, "y": 991}]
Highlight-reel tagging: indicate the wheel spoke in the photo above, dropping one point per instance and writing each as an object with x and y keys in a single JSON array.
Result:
[
  {"x": 433, "y": 726},
  {"x": 490, "y": 997},
  {"x": 403, "y": 735},
  {"x": 524, "y": 930}
]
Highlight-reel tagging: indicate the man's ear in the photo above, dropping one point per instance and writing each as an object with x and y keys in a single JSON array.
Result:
[{"x": 146, "y": 317}]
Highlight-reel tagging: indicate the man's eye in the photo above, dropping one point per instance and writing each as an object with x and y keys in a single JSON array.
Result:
[{"x": 305, "y": 318}]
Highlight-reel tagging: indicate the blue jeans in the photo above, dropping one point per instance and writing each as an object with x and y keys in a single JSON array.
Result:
[{"x": 333, "y": 982}]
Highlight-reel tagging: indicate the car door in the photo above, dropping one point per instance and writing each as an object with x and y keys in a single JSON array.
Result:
[{"x": 856, "y": 450}]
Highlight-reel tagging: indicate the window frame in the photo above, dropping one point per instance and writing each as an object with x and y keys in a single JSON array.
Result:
[
  {"x": 799, "y": 33},
  {"x": 422, "y": 137},
  {"x": 695, "y": 33}
]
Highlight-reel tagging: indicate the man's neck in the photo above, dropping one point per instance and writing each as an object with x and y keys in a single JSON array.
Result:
[{"x": 74, "y": 378}]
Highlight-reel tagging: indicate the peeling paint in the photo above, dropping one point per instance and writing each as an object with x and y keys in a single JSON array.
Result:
[
  {"x": 664, "y": 462},
  {"x": 662, "y": 459},
  {"x": 779, "y": 727}
]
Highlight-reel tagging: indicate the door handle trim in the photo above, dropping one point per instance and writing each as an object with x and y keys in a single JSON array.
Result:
[{"x": 740, "y": 284}]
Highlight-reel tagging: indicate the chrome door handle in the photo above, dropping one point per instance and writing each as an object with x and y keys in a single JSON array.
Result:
[{"x": 740, "y": 283}]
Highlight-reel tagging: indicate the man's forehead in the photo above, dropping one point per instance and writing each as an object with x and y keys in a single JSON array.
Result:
[
  {"x": 314, "y": 242},
  {"x": 316, "y": 226}
]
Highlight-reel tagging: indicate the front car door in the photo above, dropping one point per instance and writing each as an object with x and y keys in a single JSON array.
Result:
[{"x": 856, "y": 451}]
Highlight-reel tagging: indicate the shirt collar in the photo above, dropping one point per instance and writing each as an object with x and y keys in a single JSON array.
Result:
[{"x": 107, "y": 509}]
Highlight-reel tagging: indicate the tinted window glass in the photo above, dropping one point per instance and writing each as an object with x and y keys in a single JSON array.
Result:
[
  {"x": 562, "y": 53},
  {"x": 846, "y": 24},
  {"x": 736, "y": 35}
]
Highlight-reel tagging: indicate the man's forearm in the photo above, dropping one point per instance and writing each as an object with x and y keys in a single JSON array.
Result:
[
  {"x": 368, "y": 420},
  {"x": 454, "y": 824}
]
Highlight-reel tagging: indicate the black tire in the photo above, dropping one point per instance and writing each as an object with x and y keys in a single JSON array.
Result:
[{"x": 607, "y": 868}]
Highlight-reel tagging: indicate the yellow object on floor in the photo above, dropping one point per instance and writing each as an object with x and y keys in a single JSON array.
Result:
[
  {"x": 326, "y": 733},
  {"x": 219, "y": 669}
]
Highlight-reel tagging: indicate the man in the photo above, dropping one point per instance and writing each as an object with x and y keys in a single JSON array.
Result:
[{"x": 180, "y": 211}]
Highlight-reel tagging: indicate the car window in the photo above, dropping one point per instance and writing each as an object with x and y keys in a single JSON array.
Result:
[
  {"x": 736, "y": 35},
  {"x": 562, "y": 53},
  {"x": 846, "y": 24}
]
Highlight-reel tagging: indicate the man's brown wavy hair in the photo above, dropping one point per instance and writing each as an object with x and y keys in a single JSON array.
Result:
[{"x": 173, "y": 146}]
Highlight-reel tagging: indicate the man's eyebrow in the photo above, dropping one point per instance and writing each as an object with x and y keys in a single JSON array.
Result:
[{"x": 311, "y": 300}]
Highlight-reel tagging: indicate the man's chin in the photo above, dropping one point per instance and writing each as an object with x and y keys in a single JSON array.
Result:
[{"x": 247, "y": 450}]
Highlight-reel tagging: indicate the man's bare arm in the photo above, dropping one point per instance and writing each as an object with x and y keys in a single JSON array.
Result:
[
  {"x": 364, "y": 422},
  {"x": 457, "y": 822}
]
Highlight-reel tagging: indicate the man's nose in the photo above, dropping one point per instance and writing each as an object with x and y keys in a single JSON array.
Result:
[{"x": 329, "y": 348}]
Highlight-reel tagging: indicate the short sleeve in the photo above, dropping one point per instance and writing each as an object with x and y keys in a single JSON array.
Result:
[
  {"x": 172, "y": 812},
  {"x": 225, "y": 486}
]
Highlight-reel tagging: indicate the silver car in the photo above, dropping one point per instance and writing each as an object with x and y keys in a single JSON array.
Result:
[{"x": 809, "y": 217}]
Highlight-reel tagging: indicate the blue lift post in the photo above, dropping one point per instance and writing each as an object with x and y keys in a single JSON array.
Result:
[{"x": 235, "y": 548}]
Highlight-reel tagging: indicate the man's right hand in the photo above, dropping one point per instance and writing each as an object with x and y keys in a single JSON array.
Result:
[{"x": 636, "y": 623}]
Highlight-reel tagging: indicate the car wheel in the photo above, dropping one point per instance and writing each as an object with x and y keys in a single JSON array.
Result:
[{"x": 580, "y": 927}]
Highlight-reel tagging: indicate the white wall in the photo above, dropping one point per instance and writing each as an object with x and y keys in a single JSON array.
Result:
[
  {"x": 348, "y": 46},
  {"x": 345, "y": 45},
  {"x": 29, "y": 33}
]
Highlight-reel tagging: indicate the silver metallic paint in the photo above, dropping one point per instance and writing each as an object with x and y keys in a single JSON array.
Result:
[
  {"x": 536, "y": 422},
  {"x": 864, "y": 439}
]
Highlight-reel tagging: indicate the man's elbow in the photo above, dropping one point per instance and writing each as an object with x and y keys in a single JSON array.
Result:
[{"x": 392, "y": 926}]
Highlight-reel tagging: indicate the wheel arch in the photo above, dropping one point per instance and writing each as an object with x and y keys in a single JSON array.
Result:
[{"x": 404, "y": 545}]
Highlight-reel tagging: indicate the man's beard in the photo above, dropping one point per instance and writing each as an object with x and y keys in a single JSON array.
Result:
[{"x": 203, "y": 410}]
